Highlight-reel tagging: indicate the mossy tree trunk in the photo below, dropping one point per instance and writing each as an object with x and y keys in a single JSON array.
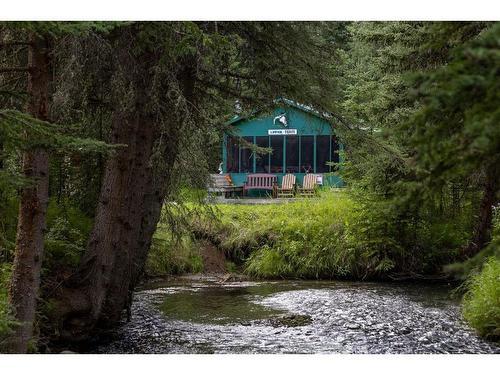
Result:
[
  {"x": 136, "y": 180},
  {"x": 25, "y": 280}
]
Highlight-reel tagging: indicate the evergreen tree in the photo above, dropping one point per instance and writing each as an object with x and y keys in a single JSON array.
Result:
[
  {"x": 165, "y": 82},
  {"x": 406, "y": 212},
  {"x": 456, "y": 131},
  {"x": 21, "y": 129}
]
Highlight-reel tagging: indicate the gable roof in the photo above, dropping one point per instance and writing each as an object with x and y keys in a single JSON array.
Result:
[{"x": 288, "y": 103}]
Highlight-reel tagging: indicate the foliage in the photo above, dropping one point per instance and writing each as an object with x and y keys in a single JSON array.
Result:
[
  {"x": 472, "y": 266},
  {"x": 456, "y": 130},
  {"x": 6, "y": 318},
  {"x": 481, "y": 306},
  {"x": 419, "y": 97},
  {"x": 67, "y": 232},
  {"x": 24, "y": 131},
  {"x": 170, "y": 255},
  {"x": 8, "y": 225},
  {"x": 329, "y": 237}
]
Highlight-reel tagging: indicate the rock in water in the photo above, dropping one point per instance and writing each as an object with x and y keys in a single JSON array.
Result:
[{"x": 291, "y": 321}]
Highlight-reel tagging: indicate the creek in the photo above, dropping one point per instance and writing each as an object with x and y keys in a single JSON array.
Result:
[{"x": 200, "y": 315}]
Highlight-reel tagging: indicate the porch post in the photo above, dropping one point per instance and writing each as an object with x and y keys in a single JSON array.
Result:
[
  {"x": 314, "y": 153},
  {"x": 224, "y": 153},
  {"x": 284, "y": 153},
  {"x": 254, "y": 155}
]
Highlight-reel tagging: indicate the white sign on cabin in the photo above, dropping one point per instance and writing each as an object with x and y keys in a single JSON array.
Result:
[{"x": 282, "y": 132}]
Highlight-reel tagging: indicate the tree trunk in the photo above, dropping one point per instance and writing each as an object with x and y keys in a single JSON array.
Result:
[
  {"x": 114, "y": 242},
  {"x": 128, "y": 211},
  {"x": 104, "y": 272},
  {"x": 135, "y": 183},
  {"x": 482, "y": 230},
  {"x": 162, "y": 177},
  {"x": 25, "y": 280}
]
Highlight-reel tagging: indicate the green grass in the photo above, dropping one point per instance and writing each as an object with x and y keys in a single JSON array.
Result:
[
  {"x": 481, "y": 305},
  {"x": 332, "y": 236},
  {"x": 310, "y": 238},
  {"x": 172, "y": 256}
]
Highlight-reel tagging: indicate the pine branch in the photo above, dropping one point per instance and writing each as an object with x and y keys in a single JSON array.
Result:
[
  {"x": 237, "y": 75},
  {"x": 15, "y": 94},
  {"x": 229, "y": 91},
  {"x": 48, "y": 135},
  {"x": 368, "y": 137},
  {"x": 15, "y": 69},
  {"x": 14, "y": 44}
]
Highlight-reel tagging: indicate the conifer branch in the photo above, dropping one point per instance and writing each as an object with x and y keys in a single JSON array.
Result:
[
  {"x": 227, "y": 90},
  {"x": 14, "y": 44},
  {"x": 15, "y": 69}
]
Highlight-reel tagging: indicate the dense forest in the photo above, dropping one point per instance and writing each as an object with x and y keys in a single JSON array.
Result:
[{"x": 109, "y": 131}]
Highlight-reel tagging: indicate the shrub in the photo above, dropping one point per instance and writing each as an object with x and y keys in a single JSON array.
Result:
[
  {"x": 67, "y": 234},
  {"x": 7, "y": 321},
  {"x": 481, "y": 304},
  {"x": 172, "y": 256}
]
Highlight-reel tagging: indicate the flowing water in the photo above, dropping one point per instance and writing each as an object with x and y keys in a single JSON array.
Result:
[{"x": 203, "y": 316}]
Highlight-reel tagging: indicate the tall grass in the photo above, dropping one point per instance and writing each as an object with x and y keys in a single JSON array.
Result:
[
  {"x": 481, "y": 305},
  {"x": 310, "y": 238},
  {"x": 170, "y": 255},
  {"x": 306, "y": 239},
  {"x": 332, "y": 236}
]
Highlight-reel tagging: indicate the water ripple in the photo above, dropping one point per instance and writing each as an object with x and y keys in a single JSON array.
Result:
[{"x": 345, "y": 318}]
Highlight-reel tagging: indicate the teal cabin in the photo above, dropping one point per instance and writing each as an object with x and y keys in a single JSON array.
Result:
[{"x": 302, "y": 141}]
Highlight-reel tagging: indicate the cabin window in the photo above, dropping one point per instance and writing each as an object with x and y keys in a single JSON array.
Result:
[
  {"x": 262, "y": 160},
  {"x": 292, "y": 154},
  {"x": 233, "y": 155},
  {"x": 307, "y": 154},
  {"x": 246, "y": 155},
  {"x": 335, "y": 152},
  {"x": 322, "y": 153},
  {"x": 277, "y": 155}
]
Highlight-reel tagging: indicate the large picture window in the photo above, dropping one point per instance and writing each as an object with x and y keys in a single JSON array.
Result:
[
  {"x": 246, "y": 155},
  {"x": 296, "y": 154},
  {"x": 277, "y": 155},
  {"x": 322, "y": 153},
  {"x": 292, "y": 154},
  {"x": 233, "y": 154},
  {"x": 307, "y": 154},
  {"x": 262, "y": 160}
]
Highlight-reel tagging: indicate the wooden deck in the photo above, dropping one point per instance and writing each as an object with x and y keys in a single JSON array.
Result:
[{"x": 255, "y": 201}]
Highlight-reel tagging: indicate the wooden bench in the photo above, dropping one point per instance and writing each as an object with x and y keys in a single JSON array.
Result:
[
  {"x": 262, "y": 181},
  {"x": 221, "y": 183}
]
